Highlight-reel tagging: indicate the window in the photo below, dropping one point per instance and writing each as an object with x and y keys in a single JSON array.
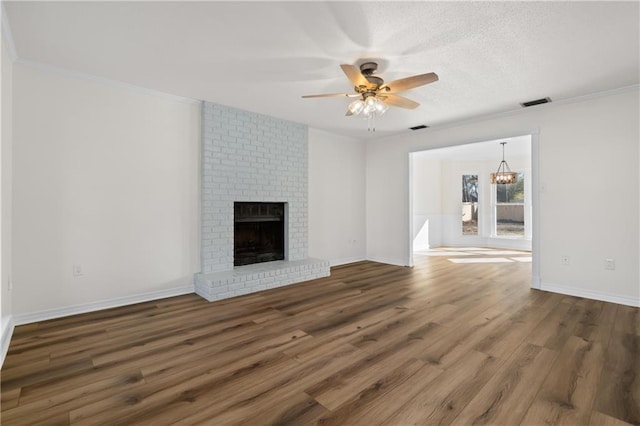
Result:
[
  {"x": 469, "y": 204},
  {"x": 509, "y": 209}
]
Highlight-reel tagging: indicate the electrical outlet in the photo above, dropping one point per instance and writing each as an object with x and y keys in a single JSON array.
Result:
[
  {"x": 77, "y": 270},
  {"x": 565, "y": 260},
  {"x": 610, "y": 264}
]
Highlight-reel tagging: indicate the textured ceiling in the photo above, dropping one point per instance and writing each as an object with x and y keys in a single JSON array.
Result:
[{"x": 263, "y": 56}]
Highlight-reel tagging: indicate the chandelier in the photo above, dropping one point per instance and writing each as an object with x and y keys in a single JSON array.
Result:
[
  {"x": 504, "y": 175},
  {"x": 370, "y": 107}
]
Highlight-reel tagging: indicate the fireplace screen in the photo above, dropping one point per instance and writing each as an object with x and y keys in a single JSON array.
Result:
[{"x": 258, "y": 232}]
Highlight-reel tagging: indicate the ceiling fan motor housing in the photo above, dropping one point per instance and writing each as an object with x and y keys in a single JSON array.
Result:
[{"x": 368, "y": 69}]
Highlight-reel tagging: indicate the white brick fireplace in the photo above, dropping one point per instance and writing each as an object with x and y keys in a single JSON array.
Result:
[{"x": 248, "y": 157}]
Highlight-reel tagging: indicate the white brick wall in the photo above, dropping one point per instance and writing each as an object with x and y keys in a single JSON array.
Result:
[{"x": 252, "y": 157}]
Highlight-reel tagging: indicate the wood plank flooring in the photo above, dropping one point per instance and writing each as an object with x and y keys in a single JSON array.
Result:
[{"x": 374, "y": 344}]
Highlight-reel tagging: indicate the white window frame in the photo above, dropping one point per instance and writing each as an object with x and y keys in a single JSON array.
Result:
[{"x": 526, "y": 206}]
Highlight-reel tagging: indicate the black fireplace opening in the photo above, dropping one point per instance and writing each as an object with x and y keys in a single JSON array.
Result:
[{"x": 258, "y": 232}]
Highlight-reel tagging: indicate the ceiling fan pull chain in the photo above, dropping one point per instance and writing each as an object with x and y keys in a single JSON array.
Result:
[{"x": 371, "y": 119}]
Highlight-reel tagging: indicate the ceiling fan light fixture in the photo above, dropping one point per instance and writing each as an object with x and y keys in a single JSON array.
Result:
[
  {"x": 381, "y": 107},
  {"x": 356, "y": 106},
  {"x": 373, "y": 105},
  {"x": 370, "y": 105}
]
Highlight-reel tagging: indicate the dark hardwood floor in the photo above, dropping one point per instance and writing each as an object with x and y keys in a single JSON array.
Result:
[{"x": 440, "y": 343}]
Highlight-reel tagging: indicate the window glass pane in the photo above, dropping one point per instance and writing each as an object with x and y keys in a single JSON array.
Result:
[
  {"x": 510, "y": 220},
  {"x": 469, "y": 188},
  {"x": 512, "y": 193},
  {"x": 469, "y": 204}
]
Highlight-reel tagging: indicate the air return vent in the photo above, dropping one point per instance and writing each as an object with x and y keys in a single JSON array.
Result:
[
  {"x": 422, "y": 126},
  {"x": 535, "y": 102}
]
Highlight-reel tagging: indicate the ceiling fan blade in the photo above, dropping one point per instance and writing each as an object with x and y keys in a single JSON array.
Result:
[
  {"x": 399, "y": 101},
  {"x": 331, "y": 95},
  {"x": 354, "y": 75},
  {"x": 404, "y": 84}
]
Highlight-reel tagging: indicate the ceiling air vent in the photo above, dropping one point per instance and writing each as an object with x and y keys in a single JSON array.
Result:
[
  {"x": 422, "y": 126},
  {"x": 535, "y": 102}
]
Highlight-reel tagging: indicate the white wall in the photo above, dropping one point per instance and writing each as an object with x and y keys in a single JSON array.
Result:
[
  {"x": 588, "y": 141},
  {"x": 336, "y": 197},
  {"x": 387, "y": 203},
  {"x": 6, "y": 96},
  {"x": 107, "y": 178},
  {"x": 427, "y": 203}
]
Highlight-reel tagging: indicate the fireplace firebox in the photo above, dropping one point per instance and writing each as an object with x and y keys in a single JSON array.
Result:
[{"x": 258, "y": 232}]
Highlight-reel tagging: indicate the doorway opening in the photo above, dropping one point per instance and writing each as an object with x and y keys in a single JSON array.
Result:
[{"x": 454, "y": 204}]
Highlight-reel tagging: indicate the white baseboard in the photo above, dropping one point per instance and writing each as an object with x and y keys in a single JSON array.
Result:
[
  {"x": 590, "y": 294},
  {"x": 346, "y": 260},
  {"x": 7, "y": 331},
  {"x": 536, "y": 282},
  {"x": 97, "y": 306},
  {"x": 388, "y": 261}
]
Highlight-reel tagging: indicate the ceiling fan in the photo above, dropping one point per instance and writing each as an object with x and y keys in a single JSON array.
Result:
[{"x": 374, "y": 95}]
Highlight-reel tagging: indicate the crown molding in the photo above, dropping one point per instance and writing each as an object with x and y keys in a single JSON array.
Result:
[
  {"x": 509, "y": 113},
  {"x": 104, "y": 81},
  {"x": 550, "y": 105},
  {"x": 7, "y": 39}
]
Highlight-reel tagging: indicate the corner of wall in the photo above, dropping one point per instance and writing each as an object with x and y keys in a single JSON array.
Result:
[
  {"x": 7, "y": 36},
  {"x": 337, "y": 197},
  {"x": 6, "y": 326},
  {"x": 8, "y": 57}
]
